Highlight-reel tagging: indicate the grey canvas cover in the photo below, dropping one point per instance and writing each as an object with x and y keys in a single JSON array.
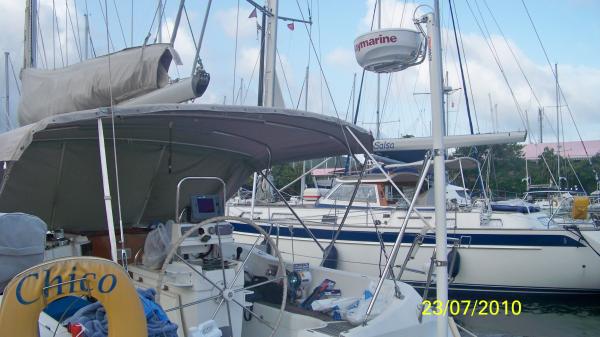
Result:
[
  {"x": 22, "y": 244},
  {"x": 87, "y": 85},
  {"x": 54, "y": 165}
]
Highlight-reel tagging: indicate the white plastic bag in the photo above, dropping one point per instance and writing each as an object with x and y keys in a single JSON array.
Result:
[
  {"x": 333, "y": 303},
  {"x": 156, "y": 246},
  {"x": 206, "y": 329},
  {"x": 356, "y": 314}
]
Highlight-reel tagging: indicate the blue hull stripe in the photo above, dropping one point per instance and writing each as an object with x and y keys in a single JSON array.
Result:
[
  {"x": 505, "y": 289},
  {"x": 527, "y": 240}
]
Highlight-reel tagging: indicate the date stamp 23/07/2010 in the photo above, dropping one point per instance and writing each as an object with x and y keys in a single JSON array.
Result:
[{"x": 471, "y": 308}]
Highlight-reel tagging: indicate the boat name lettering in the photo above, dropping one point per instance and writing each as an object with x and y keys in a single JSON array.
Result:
[
  {"x": 73, "y": 283},
  {"x": 382, "y": 145}
]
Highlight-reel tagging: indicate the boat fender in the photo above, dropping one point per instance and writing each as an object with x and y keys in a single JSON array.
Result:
[
  {"x": 331, "y": 260},
  {"x": 453, "y": 263}
]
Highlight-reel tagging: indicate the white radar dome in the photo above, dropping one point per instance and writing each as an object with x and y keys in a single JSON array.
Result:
[{"x": 388, "y": 50}]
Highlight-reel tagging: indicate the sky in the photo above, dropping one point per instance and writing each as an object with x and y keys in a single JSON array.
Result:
[{"x": 499, "y": 44}]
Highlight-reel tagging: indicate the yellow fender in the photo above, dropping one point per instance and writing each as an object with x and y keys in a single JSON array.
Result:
[{"x": 28, "y": 293}]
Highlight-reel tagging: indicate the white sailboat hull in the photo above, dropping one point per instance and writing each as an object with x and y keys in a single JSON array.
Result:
[{"x": 498, "y": 258}]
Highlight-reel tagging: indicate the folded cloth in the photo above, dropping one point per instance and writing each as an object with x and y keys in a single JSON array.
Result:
[{"x": 93, "y": 318}]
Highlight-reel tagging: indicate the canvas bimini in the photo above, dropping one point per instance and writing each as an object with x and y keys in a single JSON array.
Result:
[{"x": 174, "y": 163}]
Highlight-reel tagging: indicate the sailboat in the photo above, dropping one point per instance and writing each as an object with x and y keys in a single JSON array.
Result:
[
  {"x": 494, "y": 252},
  {"x": 173, "y": 165}
]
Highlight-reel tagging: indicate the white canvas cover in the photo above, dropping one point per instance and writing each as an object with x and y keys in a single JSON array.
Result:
[{"x": 85, "y": 85}]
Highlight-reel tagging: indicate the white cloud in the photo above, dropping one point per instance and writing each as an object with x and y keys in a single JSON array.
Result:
[
  {"x": 341, "y": 57},
  {"x": 577, "y": 82},
  {"x": 227, "y": 19}
]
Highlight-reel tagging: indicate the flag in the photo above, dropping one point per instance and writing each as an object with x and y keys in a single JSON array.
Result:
[
  {"x": 291, "y": 26},
  {"x": 252, "y": 14}
]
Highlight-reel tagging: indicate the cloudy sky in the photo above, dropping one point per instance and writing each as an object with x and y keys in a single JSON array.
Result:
[{"x": 495, "y": 35}]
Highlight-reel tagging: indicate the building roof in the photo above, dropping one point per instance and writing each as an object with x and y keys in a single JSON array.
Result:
[{"x": 573, "y": 150}]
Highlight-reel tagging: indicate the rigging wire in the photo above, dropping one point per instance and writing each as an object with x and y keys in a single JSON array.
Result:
[
  {"x": 491, "y": 46},
  {"x": 560, "y": 90},
  {"x": 462, "y": 74},
  {"x": 77, "y": 23},
  {"x": 470, "y": 83},
  {"x": 43, "y": 51},
  {"x": 14, "y": 75},
  {"x": 55, "y": 24},
  {"x": 285, "y": 78},
  {"x": 105, "y": 15},
  {"x": 251, "y": 77},
  {"x": 190, "y": 26},
  {"x": 70, "y": 19},
  {"x": 114, "y": 135},
  {"x": 120, "y": 24},
  {"x": 343, "y": 130}
]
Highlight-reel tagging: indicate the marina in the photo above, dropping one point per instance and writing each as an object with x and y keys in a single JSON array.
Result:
[{"x": 199, "y": 169}]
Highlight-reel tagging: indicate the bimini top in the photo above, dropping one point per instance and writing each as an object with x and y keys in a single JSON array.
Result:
[{"x": 54, "y": 165}]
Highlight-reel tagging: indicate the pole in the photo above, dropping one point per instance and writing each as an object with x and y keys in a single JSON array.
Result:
[
  {"x": 303, "y": 180},
  {"x": 107, "y": 198},
  {"x": 177, "y": 21},
  {"x": 557, "y": 125},
  {"x": 30, "y": 52},
  {"x": 540, "y": 115},
  {"x": 271, "y": 50},
  {"x": 7, "y": 90},
  {"x": 254, "y": 178},
  {"x": 378, "y": 133},
  {"x": 353, "y": 92},
  {"x": 199, "y": 46},
  {"x": 439, "y": 174},
  {"x": 261, "y": 71},
  {"x": 160, "y": 14},
  {"x": 87, "y": 36}
]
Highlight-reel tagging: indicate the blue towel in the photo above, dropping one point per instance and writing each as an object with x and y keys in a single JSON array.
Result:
[{"x": 93, "y": 318}]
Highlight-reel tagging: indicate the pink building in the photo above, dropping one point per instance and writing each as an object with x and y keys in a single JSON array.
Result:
[{"x": 573, "y": 150}]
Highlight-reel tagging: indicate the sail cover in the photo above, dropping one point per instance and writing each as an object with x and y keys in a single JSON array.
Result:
[
  {"x": 53, "y": 168},
  {"x": 88, "y": 84}
]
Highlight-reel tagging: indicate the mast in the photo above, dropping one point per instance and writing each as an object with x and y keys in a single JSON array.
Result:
[
  {"x": 557, "y": 125},
  {"x": 261, "y": 71},
  {"x": 271, "y": 53},
  {"x": 177, "y": 21},
  {"x": 378, "y": 133},
  {"x": 6, "y": 90},
  {"x": 87, "y": 36},
  {"x": 439, "y": 180},
  {"x": 30, "y": 52},
  {"x": 541, "y": 120},
  {"x": 160, "y": 14}
]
